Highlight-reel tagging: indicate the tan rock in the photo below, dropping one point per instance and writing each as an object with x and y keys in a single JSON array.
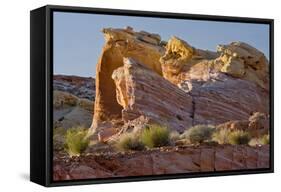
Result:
[
  {"x": 244, "y": 61},
  {"x": 121, "y": 43},
  {"x": 142, "y": 92},
  {"x": 257, "y": 125}
]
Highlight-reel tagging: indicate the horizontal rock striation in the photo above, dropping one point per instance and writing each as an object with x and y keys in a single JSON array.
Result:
[
  {"x": 230, "y": 84},
  {"x": 142, "y": 92},
  {"x": 162, "y": 161}
]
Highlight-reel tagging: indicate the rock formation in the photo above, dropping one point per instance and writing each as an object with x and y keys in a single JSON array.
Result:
[
  {"x": 204, "y": 87},
  {"x": 142, "y": 46},
  {"x": 162, "y": 161},
  {"x": 72, "y": 101},
  {"x": 257, "y": 124},
  {"x": 142, "y": 92}
]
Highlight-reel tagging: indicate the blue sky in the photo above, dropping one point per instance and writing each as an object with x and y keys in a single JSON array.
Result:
[{"x": 78, "y": 39}]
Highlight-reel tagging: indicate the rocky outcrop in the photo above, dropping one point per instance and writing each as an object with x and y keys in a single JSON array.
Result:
[
  {"x": 224, "y": 98},
  {"x": 204, "y": 87},
  {"x": 82, "y": 87},
  {"x": 169, "y": 160},
  {"x": 73, "y": 98},
  {"x": 244, "y": 61},
  {"x": 71, "y": 111},
  {"x": 257, "y": 125},
  {"x": 228, "y": 85},
  {"x": 142, "y": 46},
  {"x": 142, "y": 92}
]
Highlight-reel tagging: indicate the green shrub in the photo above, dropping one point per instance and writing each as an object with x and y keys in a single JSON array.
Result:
[
  {"x": 239, "y": 138},
  {"x": 198, "y": 133},
  {"x": 221, "y": 136},
  {"x": 155, "y": 136},
  {"x": 76, "y": 141},
  {"x": 129, "y": 141},
  {"x": 265, "y": 139}
]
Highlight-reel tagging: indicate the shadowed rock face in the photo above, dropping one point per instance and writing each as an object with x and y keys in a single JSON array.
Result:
[{"x": 177, "y": 85}]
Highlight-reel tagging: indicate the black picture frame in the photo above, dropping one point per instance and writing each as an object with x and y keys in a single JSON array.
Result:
[{"x": 41, "y": 71}]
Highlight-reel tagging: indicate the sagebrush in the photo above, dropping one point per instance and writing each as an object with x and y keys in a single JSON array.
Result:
[
  {"x": 155, "y": 136},
  {"x": 198, "y": 134},
  {"x": 76, "y": 141},
  {"x": 239, "y": 137},
  {"x": 129, "y": 141}
]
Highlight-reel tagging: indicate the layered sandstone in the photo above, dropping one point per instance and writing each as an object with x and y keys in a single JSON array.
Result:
[
  {"x": 228, "y": 85},
  {"x": 119, "y": 43},
  {"x": 142, "y": 92},
  {"x": 177, "y": 84},
  {"x": 169, "y": 160}
]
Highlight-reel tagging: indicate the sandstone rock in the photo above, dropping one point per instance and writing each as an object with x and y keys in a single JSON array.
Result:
[
  {"x": 263, "y": 157},
  {"x": 59, "y": 173},
  {"x": 180, "y": 58},
  {"x": 239, "y": 158},
  {"x": 242, "y": 60},
  {"x": 257, "y": 124},
  {"x": 223, "y": 86},
  {"x": 71, "y": 111},
  {"x": 251, "y": 158},
  {"x": 86, "y": 172},
  {"x": 82, "y": 87},
  {"x": 121, "y": 43},
  {"x": 223, "y": 158},
  {"x": 164, "y": 161},
  {"x": 140, "y": 91},
  {"x": 207, "y": 159},
  {"x": 226, "y": 98}
]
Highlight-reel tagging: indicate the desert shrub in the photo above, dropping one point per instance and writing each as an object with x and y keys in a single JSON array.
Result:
[
  {"x": 174, "y": 136},
  {"x": 198, "y": 133},
  {"x": 221, "y": 136},
  {"x": 265, "y": 139},
  {"x": 129, "y": 141},
  {"x": 155, "y": 136},
  {"x": 239, "y": 137},
  {"x": 76, "y": 141}
]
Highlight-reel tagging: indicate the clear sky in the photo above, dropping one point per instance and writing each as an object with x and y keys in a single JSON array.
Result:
[{"x": 78, "y": 39}]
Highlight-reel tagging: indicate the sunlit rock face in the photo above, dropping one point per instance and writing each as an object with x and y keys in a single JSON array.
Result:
[
  {"x": 119, "y": 43},
  {"x": 142, "y": 92},
  {"x": 176, "y": 84}
]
